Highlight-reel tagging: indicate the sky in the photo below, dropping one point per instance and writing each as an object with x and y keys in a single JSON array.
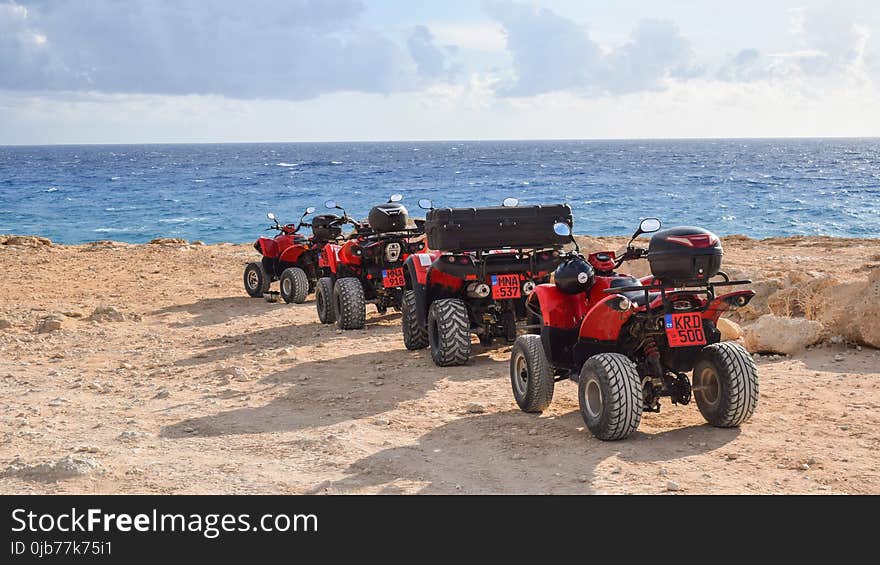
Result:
[{"x": 176, "y": 71}]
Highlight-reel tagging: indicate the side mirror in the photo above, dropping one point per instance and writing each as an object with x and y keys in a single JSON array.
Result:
[
  {"x": 330, "y": 204},
  {"x": 649, "y": 225},
  {"x": 271, "y": 216},
  {"x": 510, "y": 202},
  {"x": 395, "y": 198},
  {"x": 310, "y": 210},
  {"x": 426, "y": 204},
  {"x": 562, "y": 229}
]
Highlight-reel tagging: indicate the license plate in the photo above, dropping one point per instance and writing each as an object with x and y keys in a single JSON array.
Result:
[
  {"x": 505, "y": 286},
  {"x": 685, "y": 329},
  {"x": 393, "y": 277}
]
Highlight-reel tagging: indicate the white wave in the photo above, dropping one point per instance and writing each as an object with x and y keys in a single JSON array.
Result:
[
  {"x": 111, "y": 230},
  {"x": 335, "y": 162},
  {"x": 182, "y": 220},
  {"x": 199, "y": 180},
  {"x": 52, "y": 189},
  {"x": 288, "y": 165},
  {"x": 115, "y": 178}
]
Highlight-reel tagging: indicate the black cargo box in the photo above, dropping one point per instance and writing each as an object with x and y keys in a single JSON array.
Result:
[
  {"x": 475, "y": 229},
  {"x": 325, "y": 227},
  {"x": 684, "y": 254},
  {"x": 388, "y": 217}
]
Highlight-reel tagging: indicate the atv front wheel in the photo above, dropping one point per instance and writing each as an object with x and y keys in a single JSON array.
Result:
[
  {"x": 350, "y": 304},
  {"x": 725, "y": 384},
  {"x": 610, "y": 396},
  {"x": 530, "y": 375},
  {"x": 415, "y": 336},
  {"x": 324, "y": 300},
  {"x": 256, "y": 280},
  {"x": 294, "y": 285},
  {"x": 449, "y": 332}
]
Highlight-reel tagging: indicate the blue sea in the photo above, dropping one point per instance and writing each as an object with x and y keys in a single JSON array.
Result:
[{"x": 221, "y": 192}]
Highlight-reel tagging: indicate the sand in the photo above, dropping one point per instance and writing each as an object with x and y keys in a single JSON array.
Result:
[{"x": 183, "y": 384}]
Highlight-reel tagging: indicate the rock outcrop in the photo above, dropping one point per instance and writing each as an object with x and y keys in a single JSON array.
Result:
[{"x": 775, "y": 334}]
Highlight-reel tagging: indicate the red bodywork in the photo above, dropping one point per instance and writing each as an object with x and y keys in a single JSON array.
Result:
[
  {"x": 280, "y": 245},
  {"x": 596, "y": 317}
]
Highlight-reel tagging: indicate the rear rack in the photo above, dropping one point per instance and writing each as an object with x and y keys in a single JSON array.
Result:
[{"x": 706, "y": 287}]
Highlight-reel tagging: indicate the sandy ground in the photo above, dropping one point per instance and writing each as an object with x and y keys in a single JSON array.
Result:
[{"x": 204, "y": 390}]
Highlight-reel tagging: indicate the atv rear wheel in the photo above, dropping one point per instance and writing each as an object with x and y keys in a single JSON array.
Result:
[
  {"x": 324, "y": 300},
  {"x": 449, "y": 332},
  {"x": 349, "y": 304},
  {"x": 256, "y": 280},
  {"x": 530, "y": 374},
  {"x": 610, "y": 396},
  {"x": 725, "y": 384},
  {"x": 415, "y": 335},
  {"x": 294, "y": 285}
]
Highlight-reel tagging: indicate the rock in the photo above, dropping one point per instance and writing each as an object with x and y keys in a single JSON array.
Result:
[
  {"x": 58, "y": 401},
  {"x": 838, "y": 358},
  {"x": 65, "y": 468},
  {"x": 25, "y": 240},
  {"x": 50, "y": 324},
  {"x": 803, "y": 467},
  {"x": 129, "y": 435},
  {"x": 730, "y": 330},
  {"x": 782, "y": 335},
  {"x": 673, "y": 486},
  {"x": 107, "y": 314},
  {"x": 852, "y": 310},
  {"x": 198, "y": 242},
  {"x": 87, "y": 449},
  {"x": 836, "y": 339},
  {"x": 5, "y": 324},
  {"x": 167, "y": 241},
  {"x": 235, "y": 373},
  {"x": 475, "y": 408},
  {"x": 162, "y": 393},
  {"x": 382, "y": 422},
  {"x": 732, "y": 456}
]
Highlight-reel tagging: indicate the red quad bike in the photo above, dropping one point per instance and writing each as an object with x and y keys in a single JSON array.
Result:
[
  {"x": 627, "y": 342},
  {"x": 490, "y": 261},
  {"x": 368, "y": 267},
  {"x": 290, "y": 257}
]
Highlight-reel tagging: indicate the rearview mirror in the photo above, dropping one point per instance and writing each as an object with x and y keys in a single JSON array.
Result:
[
  {"x": 330, "y": 204},
  {"x": 426, "y": 204},
  {"x": 649, "y": 225},
  {"x": 395, "y": 198},
  {"x": 310, "y": 210},
  {"x": 271, "y": 216},
  {"x": 562, "y": 229},
  {"x": 510, "y": 202}
]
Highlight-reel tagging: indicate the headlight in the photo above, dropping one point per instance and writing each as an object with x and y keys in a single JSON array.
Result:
[
  {"x": 623, "y": 304},
  {"x": 392, "y": 251}
]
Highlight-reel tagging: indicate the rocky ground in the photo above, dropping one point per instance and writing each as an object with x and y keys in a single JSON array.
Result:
[{"x": 146, "y": 369}]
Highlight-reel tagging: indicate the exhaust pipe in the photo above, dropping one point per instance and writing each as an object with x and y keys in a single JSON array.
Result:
[{"x": 478, "y": 290}]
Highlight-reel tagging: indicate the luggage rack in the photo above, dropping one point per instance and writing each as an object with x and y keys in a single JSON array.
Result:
[{"x": 707, "y": 287}]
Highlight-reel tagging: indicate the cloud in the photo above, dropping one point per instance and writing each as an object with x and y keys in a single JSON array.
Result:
[
  {"x": 431, "y": 60},
  {"x": 553, "y": 53},
  {"x": 295, "y": 49}
]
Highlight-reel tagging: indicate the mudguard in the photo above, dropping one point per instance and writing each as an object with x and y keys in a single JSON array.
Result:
[
  {"x": 293, "y": 253},
  {"x": 268, "y": 247},
  {"x": 329, "y": 257},
  {"x": 559, "y": 310},
  {"x": 603, "y": 321},
  {"x": 725, "y": 302},
  {"x": 416, "y": 268}
]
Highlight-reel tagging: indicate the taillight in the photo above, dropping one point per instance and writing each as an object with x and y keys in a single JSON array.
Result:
[{"x": 697, "y": 241}]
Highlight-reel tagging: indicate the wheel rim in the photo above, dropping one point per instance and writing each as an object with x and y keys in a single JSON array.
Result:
[
  {"x": 521, "y": 370},
  {"x": 593, "y": 398},
  {"x": 710, "y": 386},
  {"x": 253, "y": 279},
  {"x": 285, "y": 286}
]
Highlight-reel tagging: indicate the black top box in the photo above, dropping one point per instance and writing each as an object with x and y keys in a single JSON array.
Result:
[
  {"x": 685, "y": 254},
  {"x": 325, "y": 227},
  {"x": 478, "y": 229}
]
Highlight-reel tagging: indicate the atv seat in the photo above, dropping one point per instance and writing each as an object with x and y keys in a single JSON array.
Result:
[{"x": 635, "y": 296}]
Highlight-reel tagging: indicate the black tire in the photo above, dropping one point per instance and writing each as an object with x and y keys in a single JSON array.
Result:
[
  {"x": 349, "y": 304},
  {"x": 294, "y": 285},
  {"x": 449, "y": 332},
  {"x": 415, "y": 335},
  {"x": 725, "y": 384},
  {"x": 256, "y": 280},
  {"x": 324, "y": 300},
  {"x": 610, "y": 396},
  {"x": 531, "y": 377}
]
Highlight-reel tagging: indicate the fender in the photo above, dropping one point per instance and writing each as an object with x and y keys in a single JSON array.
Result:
[
  {"x": 416, "y": 268},
  {"x": 725, "y": 302},
  {"x": 293, "y": 253},
  {"x": 603, "y": 322},
  {"x": 329, "y": 257},
  {"x": 347, "y": 254},
  {"x": 268, "y": 247},
  {"x": 559, "y": 310}
]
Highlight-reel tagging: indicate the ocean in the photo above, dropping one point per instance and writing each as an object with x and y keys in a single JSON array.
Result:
[{"x": 221, "y": 192}]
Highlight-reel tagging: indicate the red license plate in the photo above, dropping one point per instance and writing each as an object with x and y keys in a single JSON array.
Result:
[
  {"x": 505, "y": 286},
  {"x": 393, "y": 278},
  {"x": 685, "y": 329}
]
